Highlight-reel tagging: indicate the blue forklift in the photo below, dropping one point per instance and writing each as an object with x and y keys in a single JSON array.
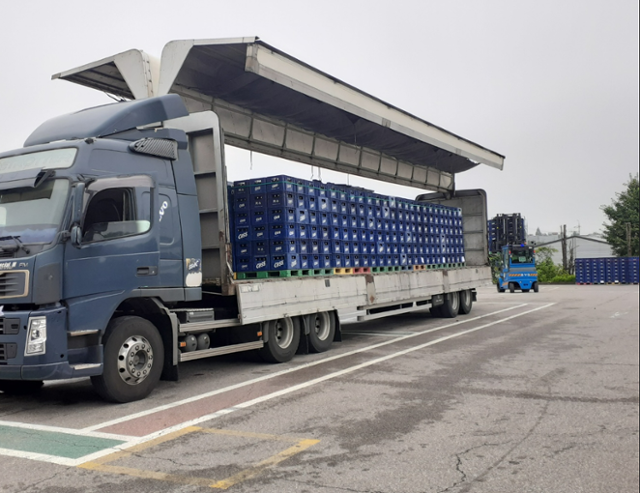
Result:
[{"x": 518, "y": 269}]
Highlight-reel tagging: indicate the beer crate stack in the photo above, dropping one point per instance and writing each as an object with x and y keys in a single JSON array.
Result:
[
  {"x": 607, "y": 270},
  {"x": 285, "y": 226}
]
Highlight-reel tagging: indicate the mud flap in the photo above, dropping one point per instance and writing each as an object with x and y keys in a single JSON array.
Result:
[{"x": 303, "y": 347}]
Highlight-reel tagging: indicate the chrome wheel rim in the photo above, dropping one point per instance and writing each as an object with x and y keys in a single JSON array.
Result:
[{"x": 135, "y": 360}]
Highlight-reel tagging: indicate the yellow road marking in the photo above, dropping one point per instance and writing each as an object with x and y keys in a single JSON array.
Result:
[
  {"x": 103, "y": 464},
  {"x": 145, "y": 474},
  {"x": 261, "y": 466},
  {"x": 248, "y": 434},
  {"x": 141, "y": 446}
]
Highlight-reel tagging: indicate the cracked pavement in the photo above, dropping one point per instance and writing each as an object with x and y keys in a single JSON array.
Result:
[{"x": 545, "y": 402}]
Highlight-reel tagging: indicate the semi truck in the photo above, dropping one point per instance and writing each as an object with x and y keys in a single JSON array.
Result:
[
  {"x": 115, "y": 228},
  {"x": 518, "y": 269}
]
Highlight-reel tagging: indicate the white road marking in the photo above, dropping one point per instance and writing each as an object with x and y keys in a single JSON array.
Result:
[
  {"x": 382, "y": 334},
  {"x": 63, "y": 461},
  {"x": 330, "y": 376},
  {"x": 618, "y": 314},
  {"x": 286, "y": 371},
  {"x": 132, "y": 441},
  {"x": 68, "y": 431}
]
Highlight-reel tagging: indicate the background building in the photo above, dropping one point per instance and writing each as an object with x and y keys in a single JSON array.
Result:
[{"x": 578, "y": 246}]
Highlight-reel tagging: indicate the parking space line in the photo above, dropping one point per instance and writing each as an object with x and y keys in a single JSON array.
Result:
[
  {"x": 177, "y": 427},
  {"x": 265, "y": 464},
  {"x": 31, "y": 442},
  {"x": 375, "y": 334},
  {"x": 51, "y": 459},
  {"x": 111, "y": 423},
  {"x": 66, "y": 431},
  {"x": 104, "y": 464},
  {"x": 139, "y": 447},
  {"x": 309, "y": 383},
  {"x": 247, "y": 434}
]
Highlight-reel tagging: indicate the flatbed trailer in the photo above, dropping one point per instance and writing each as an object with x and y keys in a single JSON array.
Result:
[{"x": 185, "y": 301}]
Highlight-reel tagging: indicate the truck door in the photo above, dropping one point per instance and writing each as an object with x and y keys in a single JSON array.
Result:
[{"x": 115, "y": 249}]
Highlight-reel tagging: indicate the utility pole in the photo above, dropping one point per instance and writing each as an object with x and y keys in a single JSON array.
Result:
[
  {"x": 563, "y": 229},
  {"x": 628, "y": 239}
]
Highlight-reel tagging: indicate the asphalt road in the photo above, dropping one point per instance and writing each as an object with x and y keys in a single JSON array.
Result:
[{"x": 528, "y": 393}]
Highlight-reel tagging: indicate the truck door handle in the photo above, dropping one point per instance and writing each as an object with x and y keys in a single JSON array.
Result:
[{"x": 147, "y": 271}]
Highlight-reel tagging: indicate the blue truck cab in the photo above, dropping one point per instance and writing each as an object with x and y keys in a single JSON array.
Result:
[
  {"x": 517, "y": 269},
  {"x": 96, "y": 221}
]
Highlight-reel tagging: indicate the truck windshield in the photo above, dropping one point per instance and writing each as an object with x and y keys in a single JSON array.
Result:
[
  {"x": 33, "y": 214},
  {"x": 522, "y": 256}
]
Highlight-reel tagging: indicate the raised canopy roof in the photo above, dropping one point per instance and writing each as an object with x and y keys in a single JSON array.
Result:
[{"x": 272, "y": 103}]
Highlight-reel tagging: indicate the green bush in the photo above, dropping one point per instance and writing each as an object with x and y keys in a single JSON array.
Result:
[
  {"x": 563, "y": 279},
  {"x": 547, "y": 271}
]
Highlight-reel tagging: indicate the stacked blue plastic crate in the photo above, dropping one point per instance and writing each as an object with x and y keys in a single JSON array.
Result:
[
  {"x": 580, "y": 271},
  {"x": 609, "y": 270},
  {"x": 632, "y": 270},
  {"x": 284, "y": 223}
]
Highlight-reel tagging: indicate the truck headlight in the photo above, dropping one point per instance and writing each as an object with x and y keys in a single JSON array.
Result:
[{"x": 36, "y": 336}]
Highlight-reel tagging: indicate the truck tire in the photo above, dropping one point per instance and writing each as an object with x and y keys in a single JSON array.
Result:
[
  {"x": 500, "y": 290},
  {"x": 282, "y": 340},
  {"x": 466, "y": 301},
  {"x": 512, "y": 287},
  {"x": 20, "y": 387},
  {"x": 535, "y": 287},
  {"x": 322, "y": 330},
  {"x": 133, "y": 360},
  {"x": 451, "y": 305}
]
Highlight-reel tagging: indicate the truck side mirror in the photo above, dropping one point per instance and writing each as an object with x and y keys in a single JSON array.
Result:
[
  {"x": 76, "y": 235},
  {"x": 78, "y": 202}
]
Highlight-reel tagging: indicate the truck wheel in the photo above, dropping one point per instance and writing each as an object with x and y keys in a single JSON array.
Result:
[
  {"x": 535, "y": 287},
  {"x": 512, "y": 287},
  {"x": 20, "y": 387},
  {"x": 133, "y": 360},
  {"x": 451, "y": 305},
  {"x": 500, "y": 290},
  {"x": 322, "y": 330},
  {"x": 283, "y": 340},
  {"x": 466, "y": 301}
]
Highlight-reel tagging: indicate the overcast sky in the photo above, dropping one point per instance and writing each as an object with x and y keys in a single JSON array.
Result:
[{"x": 552, "y": 85}]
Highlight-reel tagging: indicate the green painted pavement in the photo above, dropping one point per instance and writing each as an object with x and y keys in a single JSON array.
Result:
[{"x": 52, "y": 442}]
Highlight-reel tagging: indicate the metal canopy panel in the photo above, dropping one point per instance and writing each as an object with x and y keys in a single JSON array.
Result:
[
  {"x": 272, "y": 103},
  {"x": 129, "y": 74}
]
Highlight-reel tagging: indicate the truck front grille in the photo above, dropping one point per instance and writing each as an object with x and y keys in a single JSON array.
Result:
[
  {"x": 14, "y": 283},
  {"x": 9, "y": 326},
  {"x": 7, "y": 351}
]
